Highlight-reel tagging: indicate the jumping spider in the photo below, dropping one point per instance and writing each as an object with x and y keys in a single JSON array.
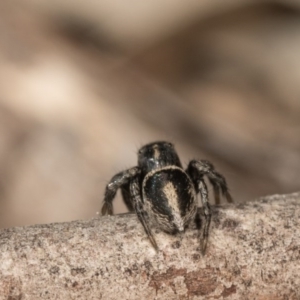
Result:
[{"x": 162, "y": 193}]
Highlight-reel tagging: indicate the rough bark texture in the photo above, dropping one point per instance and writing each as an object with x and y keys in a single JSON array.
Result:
[{"x": 253, "y": 253}]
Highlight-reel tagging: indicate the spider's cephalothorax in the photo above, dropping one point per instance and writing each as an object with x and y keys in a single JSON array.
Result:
[{"x": 162, "y": 193}]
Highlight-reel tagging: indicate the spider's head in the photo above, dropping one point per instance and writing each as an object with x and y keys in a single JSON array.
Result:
[{"x": 157, "y": 155}]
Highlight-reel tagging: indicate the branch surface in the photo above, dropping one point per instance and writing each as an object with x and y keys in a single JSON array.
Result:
[{"x": 253, "y": 253}]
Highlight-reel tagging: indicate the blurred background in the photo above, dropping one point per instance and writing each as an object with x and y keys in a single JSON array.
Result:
[{"x": 84, "y": 85}]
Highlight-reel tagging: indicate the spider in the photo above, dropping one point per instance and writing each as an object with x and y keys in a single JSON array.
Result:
[{"x": 163, "y": 194}]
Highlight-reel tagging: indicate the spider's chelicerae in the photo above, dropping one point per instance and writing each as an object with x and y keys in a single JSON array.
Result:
[{"x": 162, "y": 193}]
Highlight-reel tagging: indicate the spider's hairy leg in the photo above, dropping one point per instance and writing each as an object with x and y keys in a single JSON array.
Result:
[
  {"x": 207, "y": 213},
  {"x": 200, "y": 168},
  {"x": 137, "y": 203},
  {"x": 116, "y": 182}
]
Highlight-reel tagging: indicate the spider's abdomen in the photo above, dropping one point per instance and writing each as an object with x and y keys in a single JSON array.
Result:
[{"x": 170, "y": 198}]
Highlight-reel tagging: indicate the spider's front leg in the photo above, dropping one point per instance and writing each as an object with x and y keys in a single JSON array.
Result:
[
  {"x": 197, "y": 170},
  {"x": 202, "y": 188},
  {"x": 137, "y": 203},
  {"x": 118, "y": 181}
]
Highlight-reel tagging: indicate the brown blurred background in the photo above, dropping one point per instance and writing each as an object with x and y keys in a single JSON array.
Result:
[{"x": 84, "y": 85}]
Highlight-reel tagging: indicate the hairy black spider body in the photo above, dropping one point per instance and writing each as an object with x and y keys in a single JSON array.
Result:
[{"x": 162, "y": 193}]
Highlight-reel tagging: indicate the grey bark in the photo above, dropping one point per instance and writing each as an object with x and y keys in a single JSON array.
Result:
[{"x": 253, "y": 253}]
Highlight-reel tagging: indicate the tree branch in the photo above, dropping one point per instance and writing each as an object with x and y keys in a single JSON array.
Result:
[{"x": 253, "y": 253}]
